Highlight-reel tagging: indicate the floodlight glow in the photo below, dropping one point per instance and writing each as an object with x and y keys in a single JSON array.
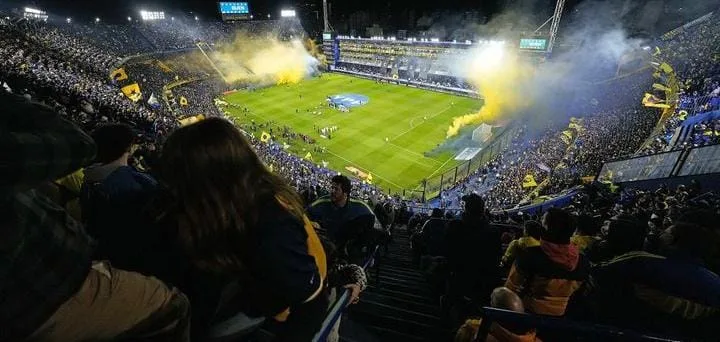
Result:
[
  {"x": 268, "y": 15},
  {"x": 33, "y": 10},
  {"x": 196, "y": 18},
  {"x": 152, "y": 15},
  {"x": 68, "y": 20},
  {"x": 252, "y": 16},
  {"x": 287, "y": 13},
  {"x": 129, "y": 19},
  {"x": 489, "y": 57},
  {"x": 97, "y": 20}
]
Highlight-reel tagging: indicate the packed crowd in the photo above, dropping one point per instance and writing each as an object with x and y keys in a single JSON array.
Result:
[
  {"x": 620, "y": 258},
  {"x": 45, "y": 70},
  {"x": 425, "y": 78},
  {"x": 695, "y": 56},
  {"x": 90, "y": 259}
]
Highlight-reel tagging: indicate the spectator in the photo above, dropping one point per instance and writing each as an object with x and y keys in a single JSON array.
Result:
[
  {"x": 674, "y": 295},
  {"x": 431, "y": 237},
  {"x": 547, "y": 275},
  {"x": 341, "y": 217},
  {"x": 474, "y": 252},
  {"x": 623, "y": 233},
  {"x": 114, "y": 195},
  {"x": 585, "y": 234},
  {"x": 52, "y": 289},
  {"x": 225, "y": 220},
  {"x": 501, "y": 298},
  {"x": 532, "y": 233}
]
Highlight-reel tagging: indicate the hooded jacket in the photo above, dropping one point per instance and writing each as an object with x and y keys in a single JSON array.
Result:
[{"x": 546, "y": 276}]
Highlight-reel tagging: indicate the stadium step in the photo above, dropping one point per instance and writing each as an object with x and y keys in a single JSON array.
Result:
[{"x": 399, "y": 304}]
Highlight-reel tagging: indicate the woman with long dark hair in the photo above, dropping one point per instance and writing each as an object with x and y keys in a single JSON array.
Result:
[{"x": 233, "y": 221}]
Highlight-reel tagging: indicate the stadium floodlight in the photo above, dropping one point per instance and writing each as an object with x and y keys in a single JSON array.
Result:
[
  {"x": 129, "y": 18},
  {"x": 68, "y": 20},
  {"x": 287, "y": 13},
  {"x": 196, "y": 18},
  {"x": 33, "y": 10},
  {"x": 152, "y": 15},
  {"x": 97, "y": 20},
  {"x": 252, "y": 16},
  {"x": 268, "y": 16}
]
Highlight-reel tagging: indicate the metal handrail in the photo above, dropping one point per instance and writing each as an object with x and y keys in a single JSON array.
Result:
[
  {"x": 491, "y": 315},
  {"x": 340, "y": 305}
]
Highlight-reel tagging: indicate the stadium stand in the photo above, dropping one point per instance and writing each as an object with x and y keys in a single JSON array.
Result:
[{"x": 652, "y": 254}]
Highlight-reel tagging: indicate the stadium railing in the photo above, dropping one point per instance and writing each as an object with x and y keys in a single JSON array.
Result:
[
  {"x": 578, "y": 330},
  {"x": 341, "y": 304}
]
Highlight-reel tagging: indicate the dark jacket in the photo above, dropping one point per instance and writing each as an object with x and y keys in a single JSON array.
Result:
[
  {"x": 113, "y": 199},
  {"x": 45, "y": 255},
  {"x": 665, "y": 295}
]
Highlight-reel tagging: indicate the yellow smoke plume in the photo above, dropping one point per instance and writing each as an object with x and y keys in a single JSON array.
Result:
[
  {"x": 497, "y": 73},
  {"x": 264, "y": 59}
]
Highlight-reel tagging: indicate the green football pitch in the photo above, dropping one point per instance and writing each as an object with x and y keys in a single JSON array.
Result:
[{"x": 414, "y": 121}]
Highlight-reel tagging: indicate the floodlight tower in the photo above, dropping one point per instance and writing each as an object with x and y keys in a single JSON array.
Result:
[
  {"x": 326, "y": 22},
  {"x": 555, "y": 24}
]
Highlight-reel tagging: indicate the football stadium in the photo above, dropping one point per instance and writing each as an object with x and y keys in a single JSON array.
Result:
[
  {"x": 376, "y": 171},
  {"x": 379, "y": 132}
]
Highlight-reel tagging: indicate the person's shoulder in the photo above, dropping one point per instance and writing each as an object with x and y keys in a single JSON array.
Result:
[
  {"x": 359, "y": 204},
  {"x": 320, "y": 202}
]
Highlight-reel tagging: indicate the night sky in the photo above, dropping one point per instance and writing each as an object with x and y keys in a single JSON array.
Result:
[{"x": 208, "y": 8}]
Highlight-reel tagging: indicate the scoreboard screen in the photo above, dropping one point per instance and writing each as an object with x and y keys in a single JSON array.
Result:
[
  {"x": 234, "y": 10},
  {"x": 537, "y": 44}
]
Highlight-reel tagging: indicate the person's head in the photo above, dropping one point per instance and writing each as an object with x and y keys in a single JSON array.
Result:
[
  {"x": 504, "y": 298},
  {"x": 626, "y": 233},
  {"x": 695, "y": 233},
  {"x": 533, "y": 229},
  {"x": 437, "y": 213},
  {"x": 340, "y": 191},
  {"x": 219, "y": 188},
  {"x": 587, "y": 225},
  {"x": 557, "y": 226},
  {"x": 474, "y": 205},
  {"x": 114, "y": 142}
]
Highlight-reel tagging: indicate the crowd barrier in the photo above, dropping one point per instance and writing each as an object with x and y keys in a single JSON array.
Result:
[
  {"x": 340, "y": 305},
  {"x": 580, "y": 331}
]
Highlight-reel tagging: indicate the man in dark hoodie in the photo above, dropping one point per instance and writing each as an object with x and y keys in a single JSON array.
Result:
[
  {"x": 474, "y": 252},
  {"x": 114, "y": 195},
  {"x": 546, "y": 276}
]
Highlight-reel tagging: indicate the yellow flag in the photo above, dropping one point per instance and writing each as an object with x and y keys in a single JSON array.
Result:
[
  {"x": 650, "y": 100},
  {"x": 132, "y": 92},
  {"x": 660, "y": 87},
  {"x": 308, "y": 156},
  {"x": 369, "y": 178},
  {"x": 666, "y": 68},
  {"x": 574, "y": 126},
  {"x": 529, "y": 182},
  {"x": 119, "y": 75},
  {"x": 164, "y": 67},
  {"x": 183, "y": 101},
  {"x": 265, "y": 137}
]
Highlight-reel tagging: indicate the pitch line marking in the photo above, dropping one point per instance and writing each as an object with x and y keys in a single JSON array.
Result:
[
  {"x": 413, "y": 152},
  {"x": 356, "y": 164},
  {"x": 441, "y": 166},
  {"x": 413, "y": 127}
]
